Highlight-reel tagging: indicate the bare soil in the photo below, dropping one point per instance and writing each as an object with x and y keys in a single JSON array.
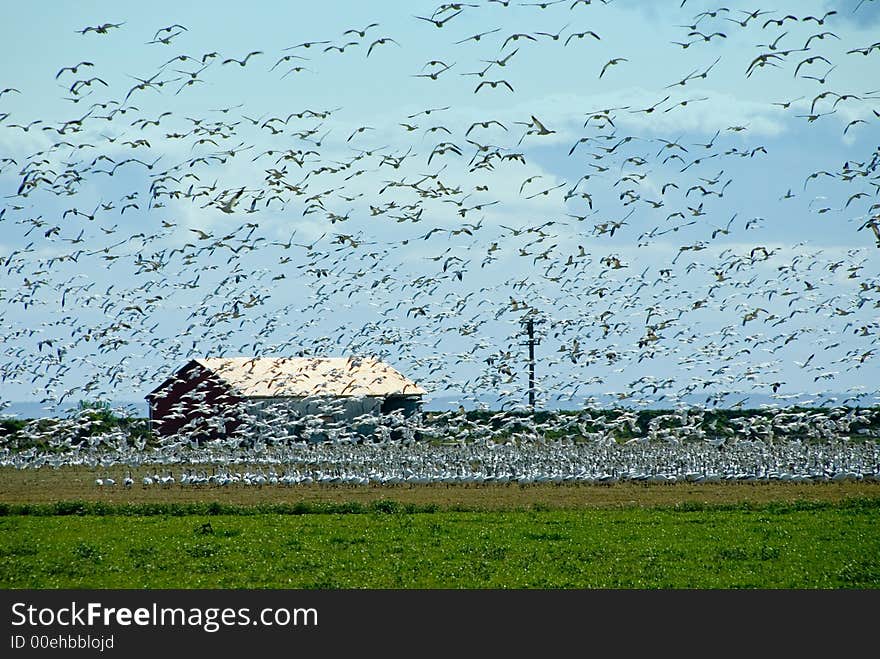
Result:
[{"x": 48, "y": 485}]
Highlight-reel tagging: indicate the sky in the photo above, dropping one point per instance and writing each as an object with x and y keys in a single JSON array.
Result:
[{"x": 685, "y": 197}]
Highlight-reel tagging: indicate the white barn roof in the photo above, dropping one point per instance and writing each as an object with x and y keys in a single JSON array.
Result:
[{"x": 301, "y": 377}]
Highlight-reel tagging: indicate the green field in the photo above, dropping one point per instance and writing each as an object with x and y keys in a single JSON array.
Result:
[
  {"x": 813, "y": 545},
  {"x": 59, "y": 530}
]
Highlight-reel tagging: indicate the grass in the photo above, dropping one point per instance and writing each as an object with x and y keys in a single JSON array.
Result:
[
  {"x": 59, "y": 530},
  {"x": 818, "y": 545}
]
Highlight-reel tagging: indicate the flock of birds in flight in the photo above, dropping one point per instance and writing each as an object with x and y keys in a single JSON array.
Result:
[
  {"x": 801, "y": 446},
  {"x": 419, "y": 240}
]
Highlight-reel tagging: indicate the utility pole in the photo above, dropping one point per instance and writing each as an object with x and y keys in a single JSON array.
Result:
[{"x": 531, "y": 342}]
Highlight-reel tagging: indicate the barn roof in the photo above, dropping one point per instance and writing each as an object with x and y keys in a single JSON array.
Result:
[{"x": 268, "y": 377}]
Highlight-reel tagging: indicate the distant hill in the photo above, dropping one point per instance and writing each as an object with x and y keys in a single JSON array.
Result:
[
  {"x": 138, "y": 409},
  {"x": 604, "y": 401},
  {"x": 37, "y": 410}
]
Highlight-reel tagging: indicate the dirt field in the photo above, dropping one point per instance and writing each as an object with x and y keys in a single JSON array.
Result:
[{"x": 77, "y": 483}]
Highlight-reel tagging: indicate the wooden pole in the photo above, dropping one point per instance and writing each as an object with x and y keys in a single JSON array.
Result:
[
  {"x": 530, "y": 328},
  {"x": 531, "y": 342}
]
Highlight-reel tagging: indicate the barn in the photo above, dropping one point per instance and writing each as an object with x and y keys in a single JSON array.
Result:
[{"x": 294, "y": 398}]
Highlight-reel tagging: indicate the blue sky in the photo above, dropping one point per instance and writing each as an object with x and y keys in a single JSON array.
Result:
[{"x": 413, "y": 192}]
